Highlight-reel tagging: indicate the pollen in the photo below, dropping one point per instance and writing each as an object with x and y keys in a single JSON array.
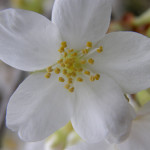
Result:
[
  {"x": 70, "y": 50},
  {"x": 61, "y": 79},
  {"x": 87, "y": 72},
  {"x": 49, "y": 69},
  {"x": 97, "y": 76},
  {"x": 74, "y": 65},
  {"x": 47, "y": 75},
  {"x": 91, "y": 61},
  {"x": 61, "y": 50},
  {"x": 85, "y": 51},
  {"x": 57, "y": 70},
  {"x": 89, "y": 44},
  {"x": 83, "y": 61},
  {"x": 80, "y": 69},
  {"x": 64, "y": 44},
  {"x": 65, "y": 54},
  {"x": 74, "y": 54},
  {"x": 64, "y": 71},
  {"x": 79, "y": 79},
  {"x": 71, "y": 89},
  {"x": 67, "y": 86},
  {"x": 92, "y": 78},
  {"x": 100, "y": 49}
]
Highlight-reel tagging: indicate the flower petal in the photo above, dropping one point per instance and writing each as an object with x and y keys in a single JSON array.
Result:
[
  {"x": 96, "y": 146},
  {"x": 126, "y": 58},
  {"x": 139, "y": 136},
  {"x": 101, "y": 109},
  {"x": 39, "y": 107},
  {"x": 80, "y": 21},
  {"x": 28, "y": 40}
]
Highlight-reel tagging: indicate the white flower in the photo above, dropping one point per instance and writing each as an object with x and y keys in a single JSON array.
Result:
[
  {"x": 137, "y": 140},
  {"x": 118, "y": 62}
]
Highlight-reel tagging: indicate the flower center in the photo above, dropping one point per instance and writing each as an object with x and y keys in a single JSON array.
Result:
[{"x": 73, "y": 65}]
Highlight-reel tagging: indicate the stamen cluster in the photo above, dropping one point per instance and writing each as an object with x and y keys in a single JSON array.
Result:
[{"x": 72, "y": 66}]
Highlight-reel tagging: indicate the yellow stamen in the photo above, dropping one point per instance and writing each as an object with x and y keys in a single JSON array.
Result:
[
  {"x": 61, "y": 79},
  {"x": 92, "y": 78},
  {"x": 62, "y": 65},
  {"x": 73, "y": 74},
  {"x": 97, "y": 76},
  {"x": 65, "y": 71},
  {"x": 89, "y": 44},
  {"x": 47, "y": 75},
  {"x": 68, "y": 75},
  {"x": 61, "y": 50},
  {"x": 79, "y": 79},
  {"x": 67, "y": 86},
  {"x": 65, "y": 54},
  {"x": 69, "y": 80},
  {"x": 85, "y": 51},
  {"x": 87, "y": 72},
  {"x": 91, "y": 61},
  {"x": 49, "y": 69},
  {"x": 74, "y": 54},
  {"x": 57, "y": 70},
  {"x": 70, "y": 50},
  {"x": 60, "y": 61},
  {"x": 100, "y": 49},
  {"x": 64, "y": 44},
  {"x": 80, "y": 69},
  {"x": 83, "y": 61},
  {"x": 71, "y": 89}
]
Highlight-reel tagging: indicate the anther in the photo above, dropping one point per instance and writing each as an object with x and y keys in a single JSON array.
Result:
[
  {"x": 62, "y": 65},
  {"x": 85, "y": 51},
  {"x": 69, "y": 80},
  {"x": 79, "y": 79},
  {"x": 70, "y": 50},
  {"x": 100, "y": 49},
  {"x": 64, "y": 44},
  {"x": 61, "y": 79},
  {"x": 67, "y": 86},
  {"x": 80, "y": 69},
  {"x": 73, "y": 74},
  {"x": 83, "y": 61},
  {"x": 47, "y": 75},
  {"x": 61, "y": 50},
  {"x": 87, "y": 72},
  {"x": 57, "y": 70},
  {"x": 65, "y": 71},
  {"x": 49, "y": 69},
  {"x": 60, "y": 61},
  {"x": 92, "y": 78},
  {"x": 65, "y": 54},
  {"x": 89, "y": 44},
  {"x": 97, "y": 76},
  {"x": 74, "y": 54},
  {"x": 91, "y": 61},
  {"x": 71, "y": 89}
]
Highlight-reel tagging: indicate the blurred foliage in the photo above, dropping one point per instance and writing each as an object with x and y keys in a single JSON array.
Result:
[
  {"x": 137, "y": 7},
  {"x": 33, "y": 5}
]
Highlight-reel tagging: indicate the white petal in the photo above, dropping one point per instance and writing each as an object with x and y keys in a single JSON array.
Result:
[
  {"x": 39, "y": 107},
  {"x": 101, "y": 109},
  {"x": 80, "y": 21},
  {"x": 96, "y": 146},
  {"x": 126, "y": 58},
  {"x": 28, "y": 40},
  {"x": 139, "y": 137}
]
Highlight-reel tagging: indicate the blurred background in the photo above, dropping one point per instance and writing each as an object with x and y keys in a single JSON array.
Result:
[{"x": 133, "y": 15}]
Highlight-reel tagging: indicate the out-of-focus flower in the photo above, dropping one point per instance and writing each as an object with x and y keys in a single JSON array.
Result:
[
  {"x": 97, "y": 70},
  {"x": 137, "y": 140}
]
